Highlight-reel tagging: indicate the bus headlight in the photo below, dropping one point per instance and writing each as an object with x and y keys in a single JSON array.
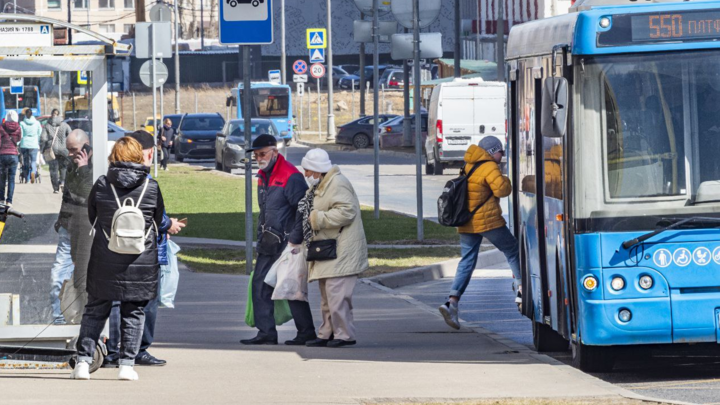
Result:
[
  {"x": 605, "y": 22},
  {"x": 590, "y": 283},
  {"x": 625, "y": 315},
  {"x": 617, "y": 283},
  {"x": 646, "y": 282}
]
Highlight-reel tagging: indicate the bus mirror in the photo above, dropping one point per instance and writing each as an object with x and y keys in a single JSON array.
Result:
[{"x": 554, "y": 107}]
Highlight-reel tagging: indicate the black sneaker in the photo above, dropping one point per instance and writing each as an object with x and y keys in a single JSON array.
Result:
[
  {"x": 110, "y": 363},
  {"x": 146, "y": 359},
  {"x": 259, "y": 341},
  {"x": 340, "y": 343},
  {"x": 317, "y": 343},
  {"x": 299, "y": 341}
]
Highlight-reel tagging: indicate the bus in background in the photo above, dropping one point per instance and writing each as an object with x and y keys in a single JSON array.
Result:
[
  {"x": 613, "y": 156},
  {"x": 30, "y": 98},
  {"x": 270, "y": 101},
  {"x": 77, "y": 107}
]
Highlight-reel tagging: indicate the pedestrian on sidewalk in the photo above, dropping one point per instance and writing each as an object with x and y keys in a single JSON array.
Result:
[
  {"x": 280, "y": 187},
  {"x": 30, "y": 145},
  {"x": 131, "y": 279},
  {"x": 330, "y": 210},
  {"x": 54, "y": 135},
  {"x": 10, "y": 135},
  {"x": 165, "y": 141},
  {"x": 485, "y": 188},
  {"x": 168, "y": 225}
]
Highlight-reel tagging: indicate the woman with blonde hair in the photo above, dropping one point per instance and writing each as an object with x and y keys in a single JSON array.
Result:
[{"x": 130, "y": 278}]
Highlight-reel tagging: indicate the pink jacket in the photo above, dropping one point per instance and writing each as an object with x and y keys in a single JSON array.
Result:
[{"x": 10, "y": 135}]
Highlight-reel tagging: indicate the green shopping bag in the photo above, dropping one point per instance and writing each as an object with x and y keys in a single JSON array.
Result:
[{"x": 282, "y": 308}]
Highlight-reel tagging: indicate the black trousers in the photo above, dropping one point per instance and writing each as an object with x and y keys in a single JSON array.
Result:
[
  {"x": 113, "y": 343},
  {"x": 264, "y": 307},
  {"x": 165, "y": 157}
]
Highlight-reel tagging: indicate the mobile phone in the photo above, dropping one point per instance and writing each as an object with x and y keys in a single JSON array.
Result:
[
  {"x": 184, "y": 221},
  {"x": 87, "y": 148}
]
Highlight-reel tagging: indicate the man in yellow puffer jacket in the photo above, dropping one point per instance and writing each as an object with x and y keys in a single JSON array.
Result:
[{"x": 485, "y": 187}]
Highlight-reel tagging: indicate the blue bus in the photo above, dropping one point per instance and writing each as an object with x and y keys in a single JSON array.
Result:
[
  {"x": 270, "y": 101},
  {"x": 613, "y": 151},
  {"x": 30, "y": 98}
]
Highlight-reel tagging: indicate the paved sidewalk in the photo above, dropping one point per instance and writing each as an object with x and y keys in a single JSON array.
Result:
[{"x": 405, "y": 351}]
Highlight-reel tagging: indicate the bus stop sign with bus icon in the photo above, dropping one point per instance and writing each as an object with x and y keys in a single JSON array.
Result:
[{"x": 246, "y": 22}]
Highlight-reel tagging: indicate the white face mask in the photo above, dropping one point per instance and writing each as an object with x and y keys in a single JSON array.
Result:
[{"x": 312, "y": 181}]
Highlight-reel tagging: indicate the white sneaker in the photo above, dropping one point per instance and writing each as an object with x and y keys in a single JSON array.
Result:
[
  {"x": 449, "y": 311},
  {"x": 127, "y": 373},
  {"x": 81, "y": 371}
]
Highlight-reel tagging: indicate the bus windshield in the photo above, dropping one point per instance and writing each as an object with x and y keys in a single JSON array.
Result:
[
  {"x": 28, "y": 99},
  {"x": 659, "y": 125},
  {"x": 269, "y": 102}
]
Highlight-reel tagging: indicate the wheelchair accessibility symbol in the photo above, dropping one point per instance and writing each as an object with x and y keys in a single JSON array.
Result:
[
  {"x": 255, "y": 3},
  {"x": 682, "y": 257}
]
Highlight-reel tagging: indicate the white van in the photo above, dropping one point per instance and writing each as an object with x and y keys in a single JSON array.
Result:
[{"x": 461, "y": 113}]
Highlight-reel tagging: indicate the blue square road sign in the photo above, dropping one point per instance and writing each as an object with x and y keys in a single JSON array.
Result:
[
  {"x": 246, "y": 22},
  {"x": 317, "y": 56}
]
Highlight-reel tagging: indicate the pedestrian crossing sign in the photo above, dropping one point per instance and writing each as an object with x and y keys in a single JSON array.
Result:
[{"x": 316, "y": 38}]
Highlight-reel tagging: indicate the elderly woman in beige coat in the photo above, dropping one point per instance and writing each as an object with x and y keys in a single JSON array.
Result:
[{"x": 331, "y": 210}]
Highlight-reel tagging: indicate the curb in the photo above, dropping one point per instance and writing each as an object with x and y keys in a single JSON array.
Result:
[
  {"x": 434, "y": 271},
  {"x": 329, "y": 147},
  {"x": 514, "y": 346}
]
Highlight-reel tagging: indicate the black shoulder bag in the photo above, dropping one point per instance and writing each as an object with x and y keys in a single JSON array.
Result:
[{"x": 322, "y": 250}]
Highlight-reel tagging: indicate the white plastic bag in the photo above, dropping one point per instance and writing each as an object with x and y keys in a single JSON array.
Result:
[
  {"x": 292, "y": 276},
  {"x": 169, "y": 277},
  {"x": 271, "y": 276}
]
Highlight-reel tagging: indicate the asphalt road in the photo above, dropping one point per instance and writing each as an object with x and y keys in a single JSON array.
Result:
[{"x": 688, "y": 374}]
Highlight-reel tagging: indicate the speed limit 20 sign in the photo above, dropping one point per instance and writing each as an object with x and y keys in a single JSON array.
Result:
[{"x": 317, "y": 70}]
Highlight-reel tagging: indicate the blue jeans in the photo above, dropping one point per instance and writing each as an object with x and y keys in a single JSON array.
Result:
[
  {"x": 62, "y": 270},
  {"x": 29, "y": 162},
  {"x": 470, "y": 248},
  {"x": 8, "y": 169}
]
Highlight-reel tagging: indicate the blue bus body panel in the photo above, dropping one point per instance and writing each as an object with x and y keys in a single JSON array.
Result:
[
  {"x": 682, "y": 305},
  {"x": 281, "y": 123}
]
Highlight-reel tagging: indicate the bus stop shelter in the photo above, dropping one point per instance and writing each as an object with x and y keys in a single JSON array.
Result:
[{"x": 28, "y": 326}]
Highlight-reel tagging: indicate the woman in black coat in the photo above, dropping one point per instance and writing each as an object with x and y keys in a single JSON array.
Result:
[{"x": 131, "y": 279}]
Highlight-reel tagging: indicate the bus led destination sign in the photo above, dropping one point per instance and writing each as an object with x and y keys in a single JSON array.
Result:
[{"x": 676, "y": 26}]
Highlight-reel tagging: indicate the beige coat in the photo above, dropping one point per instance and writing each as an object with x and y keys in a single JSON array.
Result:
[{"x": 335, "y": 206}]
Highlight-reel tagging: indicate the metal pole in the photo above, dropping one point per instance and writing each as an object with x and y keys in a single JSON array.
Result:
[
  {"x": 134, "y": 117},
  {"x": 202, "y": 25},
  {"x": 196, "y": 102},
  {"x": 331, "y": 104},
  {"x": 309, "y": 115},
  {"x": 62, "y": 107},
  {"x": 319, "y": 111},
  {"x": 69, "y": 32},
  {"x": 177, "y": 60},
  {"x": 353, "y": 98},
  {"x": 300, "y": 105},
  {"x": 283, "y": 51},
  {"x": 478, "y": 46},
  {"x": 45, "y": 102},
  {"x": 384, "y": 107},
  {"x": 248, "y": 162},
  {"x": 162, "y": 102},
  {"x": 418, "y": 119},
  {"x": 457, "y": 37},
  {"x": 362, "y": 74},
  {"x": 407, "y": 133},
  {"x": 376, "y": 126},
  {"x": 154, "y": 93},
  {"x": 501, "y": 42}
]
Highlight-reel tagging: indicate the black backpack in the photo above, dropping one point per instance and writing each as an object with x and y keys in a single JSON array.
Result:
[{"x": 453, "y": 209}]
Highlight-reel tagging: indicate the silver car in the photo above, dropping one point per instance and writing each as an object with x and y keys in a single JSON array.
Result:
[{"x": 230, "y": 142}]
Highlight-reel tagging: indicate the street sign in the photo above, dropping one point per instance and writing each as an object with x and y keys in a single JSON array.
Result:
[
  {"x": 316, "y": 38},
  {"x": 26, "y": 35},
  {"x": 143, "y": 39},
  {"x": 300, "y": 78},
  {"x": 16, "y": 85},
  {"x": 275, "y": 76},
  {"x": 403, "y": 12},
  {"x": 82, "y": 77},
  {"x": 362, "y": 31},
  {"x": 301, "y": 89},
  {"x": 246, "y": 22},
  {"x": 161, "y": 73},
  {"x": 317, "y": 70},
  {"x": 300, "y": 67},
  {"x": 317, "y": 56},
  {"x": 430, "y": 46},
  {"x": 366, "y": 6},
  {"x": 161, "y": 12}
]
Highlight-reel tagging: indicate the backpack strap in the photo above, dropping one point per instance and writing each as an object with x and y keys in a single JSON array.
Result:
[
  {"x": 478, "y": 164},
  {"x": 147, "y": 181},
  {"x": 116, "y": 196}
]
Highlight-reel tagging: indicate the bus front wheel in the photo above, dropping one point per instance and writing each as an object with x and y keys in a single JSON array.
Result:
[
  {"x": 546, "y": 339},
  {"x": 592, "y": 359}
]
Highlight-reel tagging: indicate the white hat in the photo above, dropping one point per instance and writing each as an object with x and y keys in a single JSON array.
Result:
[
  {"x": 11, "y": 116},
  {"x": 317, "y": 160}
]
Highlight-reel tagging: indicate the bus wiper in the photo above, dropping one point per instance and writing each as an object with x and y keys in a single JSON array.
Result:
[{"x": 632, "y": 242}]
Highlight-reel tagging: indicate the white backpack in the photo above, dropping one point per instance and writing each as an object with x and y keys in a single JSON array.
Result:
[{"x": 128, "y": 235}]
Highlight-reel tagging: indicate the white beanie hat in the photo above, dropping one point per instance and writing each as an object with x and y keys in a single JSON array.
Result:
[
  {"x": 11, "y": 116},
  {"x": 317, "y": 160}
]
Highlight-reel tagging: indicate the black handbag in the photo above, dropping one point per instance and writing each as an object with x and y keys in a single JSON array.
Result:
[
  {"x": 322, "y": 250},
  {"x": 270, "y": 242}
]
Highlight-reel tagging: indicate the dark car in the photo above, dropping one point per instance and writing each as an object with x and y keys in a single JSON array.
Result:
[
  {"x": 196, "y": 136},
  {"x": 358, "y": 133},
  {"x": 394, "y": 127},
  {"x": 230, "y": 142},
  {"x": 345, "y": 82}
]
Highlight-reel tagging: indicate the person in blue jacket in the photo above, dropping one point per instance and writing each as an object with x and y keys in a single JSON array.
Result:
[{"x": 167, "y": 226}]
